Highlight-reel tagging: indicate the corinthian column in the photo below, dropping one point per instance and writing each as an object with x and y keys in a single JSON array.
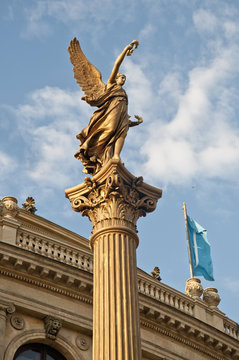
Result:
[{"x": 114, "y": 200}]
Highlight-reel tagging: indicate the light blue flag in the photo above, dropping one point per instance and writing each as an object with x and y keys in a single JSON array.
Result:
[{"x": 200, "y": 250}]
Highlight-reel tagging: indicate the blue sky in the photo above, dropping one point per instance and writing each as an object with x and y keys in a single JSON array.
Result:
[{"x": 183, "y": 80}]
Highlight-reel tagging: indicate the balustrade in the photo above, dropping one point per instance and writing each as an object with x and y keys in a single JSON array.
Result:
[
  {"x": 232, "y": 329},
  {"x": 165, "y": 296},
  {"x": 55, "y": 251}
]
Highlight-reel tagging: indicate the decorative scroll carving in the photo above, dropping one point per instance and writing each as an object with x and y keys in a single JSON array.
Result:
[
  {"x": 116, "y": 199},
  {"x": 17, "y": 322},
  {"x": 52, "y": 327},
  {"x": 82, "y": 343},
  {"x": 8, "y": 308}
]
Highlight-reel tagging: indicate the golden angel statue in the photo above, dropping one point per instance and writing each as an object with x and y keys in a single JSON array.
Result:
[{"x": 104, "y": 136}]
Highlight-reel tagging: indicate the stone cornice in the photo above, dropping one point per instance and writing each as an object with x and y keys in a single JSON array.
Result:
[
  {"x": 47, "y": 273},
  {"x": 181, "y": 339},
  {"x": 187, "y": 330}
]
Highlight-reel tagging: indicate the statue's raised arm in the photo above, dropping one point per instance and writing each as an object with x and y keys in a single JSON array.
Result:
[
  {"x": 104, "y": 137},
  {"x": 128, "y": 50}
]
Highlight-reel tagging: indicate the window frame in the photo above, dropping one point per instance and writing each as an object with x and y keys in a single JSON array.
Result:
[{"x": 43, "y": 349}]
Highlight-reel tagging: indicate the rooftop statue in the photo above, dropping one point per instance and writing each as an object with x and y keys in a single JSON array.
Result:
[{"x": 105, "y": 134}]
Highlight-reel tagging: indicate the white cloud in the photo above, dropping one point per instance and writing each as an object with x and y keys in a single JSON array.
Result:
[
  {"x": 75, "y": 14},
  {"x": 202, "y": 139},
  {"x": 231, "y": 29},
  {"x": 7, "y": 165},
  {"x": 48, "y": 125},
  {"x": 138, "y": 87},
  {"x": 222, "y": 27},
  {"x": 146, "y": 32},
  {"x": 36, "y": 25},
  {"x": 205, "y": 21},
  {"x": 51, "y": 102}
]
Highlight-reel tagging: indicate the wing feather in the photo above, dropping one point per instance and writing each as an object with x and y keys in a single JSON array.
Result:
[{"x": 86, "y": 75}]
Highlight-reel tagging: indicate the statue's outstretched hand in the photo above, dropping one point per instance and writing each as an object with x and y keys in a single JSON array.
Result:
[
  {"x": 139, "y": 118},
  {"x": 131, "y": 47}
]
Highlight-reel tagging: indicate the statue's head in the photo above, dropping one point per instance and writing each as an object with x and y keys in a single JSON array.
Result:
[{"x": 120, "y": 79}]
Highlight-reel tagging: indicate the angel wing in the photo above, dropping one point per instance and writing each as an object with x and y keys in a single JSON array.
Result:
[{"x": 86, "y": 74}]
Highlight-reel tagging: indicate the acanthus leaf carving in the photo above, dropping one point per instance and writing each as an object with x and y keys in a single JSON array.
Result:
[{"x": 115, "y": 199}]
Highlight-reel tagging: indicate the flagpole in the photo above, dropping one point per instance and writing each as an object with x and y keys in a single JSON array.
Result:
[{"x": 188, "y": 242}]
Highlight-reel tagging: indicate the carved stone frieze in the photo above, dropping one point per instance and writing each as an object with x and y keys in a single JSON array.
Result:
[
  {"x": 115, "y": 199},
  {"x": 52, "y": 327}
]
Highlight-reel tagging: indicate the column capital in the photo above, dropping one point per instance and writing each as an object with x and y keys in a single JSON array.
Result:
[
  {"x": 7, "y": 307},
  {"x": 113, "y": 198}
]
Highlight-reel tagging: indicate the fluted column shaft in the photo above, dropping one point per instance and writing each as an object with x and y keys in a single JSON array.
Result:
[
  {"x": 115, "y": 311},
  {"x": 113, "y": 200}
]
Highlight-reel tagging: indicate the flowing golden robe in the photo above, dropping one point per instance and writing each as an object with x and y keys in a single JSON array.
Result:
[{"x": 107, "y": 124}]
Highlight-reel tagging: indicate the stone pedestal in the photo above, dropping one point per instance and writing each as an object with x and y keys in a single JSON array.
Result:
[{"x": 114, "y": 200}]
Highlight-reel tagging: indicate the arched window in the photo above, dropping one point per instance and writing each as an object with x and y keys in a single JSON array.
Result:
[{"x": 37, "y": 352}]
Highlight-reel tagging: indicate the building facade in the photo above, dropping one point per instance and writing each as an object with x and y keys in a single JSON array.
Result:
[{"x": 46, "y": 297}]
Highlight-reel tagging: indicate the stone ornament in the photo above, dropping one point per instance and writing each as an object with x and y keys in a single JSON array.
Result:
[
  {"x": 194, "y": 288},
  {"x": 82, "y": 343},
  {"x": 17, "y": 322},
  {"x": 113, "y": 197},
  {"x": 156, "y": 273},
  {"x": 8, "y": 308},
  {"x": 52, "y": 327},
  {"x": 104, "y": 137},
  {"x": 211, "y": 297},
  {"x": 29, "y": 205},
  {"x": 9, "y": 207}
]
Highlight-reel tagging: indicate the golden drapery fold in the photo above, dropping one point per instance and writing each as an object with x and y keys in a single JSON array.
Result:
[{"x": 107, "y": 124}]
